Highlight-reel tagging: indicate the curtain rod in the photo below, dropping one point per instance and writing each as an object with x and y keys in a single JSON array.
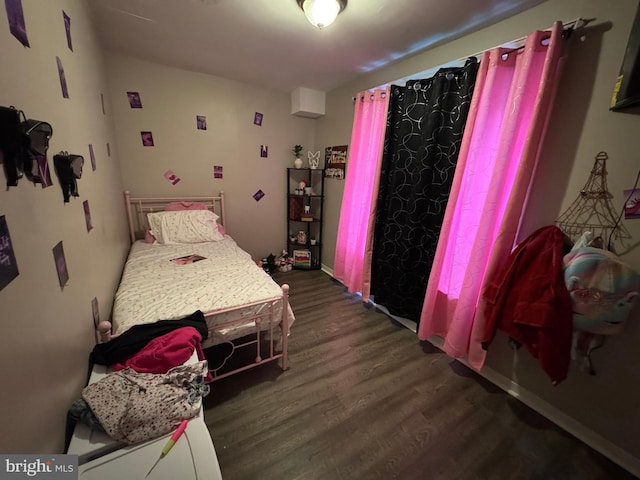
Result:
[
  {"x": 519, "y": 43},
  {"x": 566, "y": 26}
]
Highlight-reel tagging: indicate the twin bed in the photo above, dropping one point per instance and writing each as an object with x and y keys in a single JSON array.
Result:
[
  {"x": 181, "y": 260},
  {"x": 188, "y": 264}
]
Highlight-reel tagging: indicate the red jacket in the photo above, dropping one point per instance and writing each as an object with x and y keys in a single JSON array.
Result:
[{"x": 529, "y": 301}]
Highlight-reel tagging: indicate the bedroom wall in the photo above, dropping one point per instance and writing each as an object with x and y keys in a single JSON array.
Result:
[
  {"x": 47, "y": 331},
  {"x": 171, "y": 99},
  {"x": 602, "y": 408}
]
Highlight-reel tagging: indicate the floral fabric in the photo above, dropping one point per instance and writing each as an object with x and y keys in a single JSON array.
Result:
[{"x": 135, "y": 407}]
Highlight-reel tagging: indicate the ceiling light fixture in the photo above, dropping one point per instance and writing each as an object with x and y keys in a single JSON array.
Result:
[{"x": 321, "y": 13}]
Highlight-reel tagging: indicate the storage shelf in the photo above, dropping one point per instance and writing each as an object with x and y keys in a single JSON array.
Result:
[
  {"x": 306, "y": 245},
  {"x": 296, "y": 204}
]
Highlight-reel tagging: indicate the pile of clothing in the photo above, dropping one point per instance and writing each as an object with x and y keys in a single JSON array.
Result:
[{"x": 151, "y": 389}]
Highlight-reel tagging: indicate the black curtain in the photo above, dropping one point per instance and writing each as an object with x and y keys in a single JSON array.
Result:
[{"x": 424, "y": 130}]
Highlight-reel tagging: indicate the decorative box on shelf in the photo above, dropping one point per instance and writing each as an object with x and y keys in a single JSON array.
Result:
[
  {"x": 296, "y": 207},
  {"x": 306, "y": 217},
  {"x": 302, "y": 258}
]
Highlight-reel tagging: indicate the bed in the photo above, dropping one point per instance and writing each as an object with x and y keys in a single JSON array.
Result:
[{"x": 180, "y": 270}]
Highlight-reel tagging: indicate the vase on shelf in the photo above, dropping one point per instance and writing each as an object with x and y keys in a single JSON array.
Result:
[{"x": 297, "y": 163}]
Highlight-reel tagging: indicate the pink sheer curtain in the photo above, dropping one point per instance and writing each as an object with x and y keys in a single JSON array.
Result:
[
  {"x": 352, "y": 262},
  {"x": 509, "y": 112}
]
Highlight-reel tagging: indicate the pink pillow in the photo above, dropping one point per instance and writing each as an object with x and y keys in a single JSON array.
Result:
[
  {"x": 177, "y": 206},
  {"x": 148, "y": 236}
]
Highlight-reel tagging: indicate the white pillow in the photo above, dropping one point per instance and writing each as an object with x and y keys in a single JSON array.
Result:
[{"x": 185, "y": 226}]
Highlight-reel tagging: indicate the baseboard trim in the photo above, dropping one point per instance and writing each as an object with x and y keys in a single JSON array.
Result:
[
  {"x": 327, "y": 270},
  {"x": 607, "y": 448}
]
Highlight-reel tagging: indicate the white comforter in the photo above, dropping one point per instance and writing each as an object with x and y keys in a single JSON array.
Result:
[{"x": 154, "y": 288}]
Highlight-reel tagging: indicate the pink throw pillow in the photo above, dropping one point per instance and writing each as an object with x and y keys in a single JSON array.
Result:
[
  {"x": 148, "y": 236},
  {"x": 177, "y": 206}
]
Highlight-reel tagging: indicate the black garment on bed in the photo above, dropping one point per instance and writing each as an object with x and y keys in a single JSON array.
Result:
[{"x": 134, "y": 339}]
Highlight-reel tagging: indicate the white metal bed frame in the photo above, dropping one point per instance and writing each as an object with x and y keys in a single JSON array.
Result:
[{"x": 265, "y": 322}]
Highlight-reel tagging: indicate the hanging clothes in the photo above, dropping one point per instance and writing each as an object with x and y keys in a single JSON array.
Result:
[
  {"x": 528, "y": 299},
  {"x": 425, "y": 124}
]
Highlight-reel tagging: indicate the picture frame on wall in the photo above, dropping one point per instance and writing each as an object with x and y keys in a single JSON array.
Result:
[
  {"x": 61, "y": 264},
  {"x": 335, "y": 162},
  {"x": 8, "y": 265}
]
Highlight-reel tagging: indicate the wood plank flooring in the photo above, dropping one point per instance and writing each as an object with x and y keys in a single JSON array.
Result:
[{"x": 364, "y": 399}]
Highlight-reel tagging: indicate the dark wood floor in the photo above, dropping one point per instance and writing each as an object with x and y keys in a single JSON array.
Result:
[{"x": 364, "y": 399}]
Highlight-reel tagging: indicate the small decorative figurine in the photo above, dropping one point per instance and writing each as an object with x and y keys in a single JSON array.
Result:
[{"x": 314, "y": 159}]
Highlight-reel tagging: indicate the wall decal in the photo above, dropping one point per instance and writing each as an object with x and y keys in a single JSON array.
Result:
[
  {"x": 134, "y": 100},
  {"x": 95, "y": 311},
  {"x": 63, "y": 79},
  {"x": 201, "y": 122},
  {"x": 108, "y": 150},
  {"x": 257, "y": 119},
  {"x": 632, "y": 205},
  {"x": 264, "y": 151},
  {"x": 67, "y": 28},
  {"x": 258, "y": 195},
  {"x": 171, "y": 177},
  {"x": 8, "y": 265},
  {"x": 147, "y": 139},
  {"x": 15, "y": 15},
  {"x": 217, "y": 171},
  {"x": 61, "y": 264},
  {"x": 92, "y": 156},
  {"x": 102, "y": 103},
  {"x": 87, "y": 215}
]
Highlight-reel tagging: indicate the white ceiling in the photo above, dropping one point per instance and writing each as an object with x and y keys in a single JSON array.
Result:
[{"x": 270, "y": 42}]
